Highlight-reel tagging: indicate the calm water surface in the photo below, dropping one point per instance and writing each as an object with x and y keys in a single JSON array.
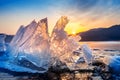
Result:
[{"x": 103, "y": 45}]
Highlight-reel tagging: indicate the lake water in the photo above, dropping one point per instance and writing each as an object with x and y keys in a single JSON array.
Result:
[{"x": 103, "y": 45}]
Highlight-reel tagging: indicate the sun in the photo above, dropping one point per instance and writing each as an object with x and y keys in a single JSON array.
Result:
[
  {"x": 73, "y": 32},
  {"x": 74, "y": 28}
]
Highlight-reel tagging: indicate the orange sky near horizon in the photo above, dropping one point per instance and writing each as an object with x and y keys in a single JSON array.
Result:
[
  {"x": 83, "y": 15},
  {"x": 71, "y": 27}
]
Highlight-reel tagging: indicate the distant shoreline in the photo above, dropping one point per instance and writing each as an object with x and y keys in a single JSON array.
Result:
[{"x": 99, "y": 40}]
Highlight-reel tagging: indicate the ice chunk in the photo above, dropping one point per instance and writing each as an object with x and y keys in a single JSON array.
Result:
[
  {"x": 114, "y": 63},
  {"x": 62, "y": 45},
  {"x": 59, "y": 36},
  {"x": 87, "y": 53},
  {"x": 38, "y": 46},
  {"x": 2, "y": 43},
  {"x": 23, "y": 34},
  {"x": 32, "y": 44}
]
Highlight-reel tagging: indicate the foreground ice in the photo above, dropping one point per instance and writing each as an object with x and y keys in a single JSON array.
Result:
[
  {"x": 32, "y": 50},
  {"x": 112, "y": 61}
]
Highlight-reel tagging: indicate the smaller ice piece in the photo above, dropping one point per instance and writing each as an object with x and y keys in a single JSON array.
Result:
[
  {"x": 114, "y": 64},
  {"x": 2, "y": 43},
  {"x": 87, "y": 53}
]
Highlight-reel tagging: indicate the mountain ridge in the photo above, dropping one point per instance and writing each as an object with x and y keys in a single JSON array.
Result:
[{"x": 101, "y": 34}]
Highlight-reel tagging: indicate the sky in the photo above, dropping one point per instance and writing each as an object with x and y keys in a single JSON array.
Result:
[{"x": 82, "y": 14}]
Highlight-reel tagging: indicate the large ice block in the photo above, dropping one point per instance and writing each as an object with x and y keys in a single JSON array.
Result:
[
  {"x": 62, "y": 45},
  {"x": 31, "y": 43}
]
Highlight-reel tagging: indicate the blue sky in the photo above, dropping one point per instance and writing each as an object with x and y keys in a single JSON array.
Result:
[{"x": 83, "y": 14}]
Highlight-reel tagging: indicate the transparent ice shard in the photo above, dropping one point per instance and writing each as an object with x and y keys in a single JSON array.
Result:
[
  {"x": 62, "y": 45},
  {"x": 87, "y": 53}
]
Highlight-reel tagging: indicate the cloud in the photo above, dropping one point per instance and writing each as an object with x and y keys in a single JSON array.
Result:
[
  {"x": 94, "y": 12},
  {"x": 83, "y": 4}
]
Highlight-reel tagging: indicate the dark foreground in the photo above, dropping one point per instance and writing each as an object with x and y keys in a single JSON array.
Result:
[{"x": 99, "y": 72}]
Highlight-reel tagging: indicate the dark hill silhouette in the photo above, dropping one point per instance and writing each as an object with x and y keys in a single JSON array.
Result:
[{"x": 102, "y": 34}]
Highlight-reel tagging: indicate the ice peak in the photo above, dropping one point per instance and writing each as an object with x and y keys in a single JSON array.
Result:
[
  {"x": 43, "y": 23},
  {"x": 43, "y": 20},
  {"x": 61, "y": 23},
  {"x": 21, "y": 26},
  {"x": 59, "y": 29},
  {"x": 34, "y": 21}
]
